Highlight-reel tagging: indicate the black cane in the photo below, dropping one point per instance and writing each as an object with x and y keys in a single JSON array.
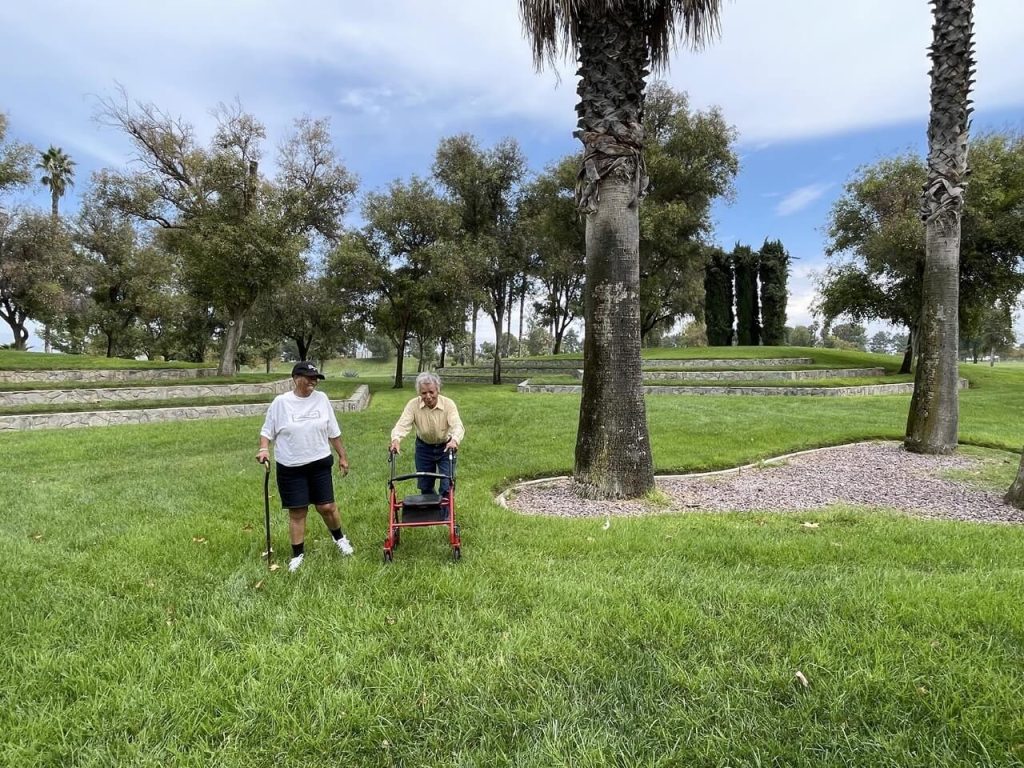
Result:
[{"x": 266, "y": 505}]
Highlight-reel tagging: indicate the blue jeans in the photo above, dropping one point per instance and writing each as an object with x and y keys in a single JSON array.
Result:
[{"x": 432, "y": 458}]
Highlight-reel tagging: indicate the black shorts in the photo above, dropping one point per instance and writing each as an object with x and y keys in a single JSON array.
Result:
[{"x": 306, "y": 484}]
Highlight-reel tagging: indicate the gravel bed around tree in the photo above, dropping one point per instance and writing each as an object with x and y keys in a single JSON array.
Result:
[{"x": 873, "y": 474}]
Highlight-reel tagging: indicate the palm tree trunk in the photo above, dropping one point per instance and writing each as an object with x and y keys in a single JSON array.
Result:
[
  {"x": 1015, "y": 495},
  {"x": 933, "y": 421},
  {"x": 613, "y": 451}
]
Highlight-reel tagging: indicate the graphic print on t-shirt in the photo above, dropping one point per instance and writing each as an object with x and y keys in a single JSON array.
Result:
[{"x": 311, "y": 416}]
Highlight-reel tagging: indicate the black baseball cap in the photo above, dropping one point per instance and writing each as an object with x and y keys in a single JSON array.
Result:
[{"x": 307, "y": 369}]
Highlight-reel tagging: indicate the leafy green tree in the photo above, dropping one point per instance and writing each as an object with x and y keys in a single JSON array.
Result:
[
  {"x": 58, "y": 174},
  {"x": 993, "y": 332},
  {"x": 15, "y": 160},
  {"x": 36, "y": 271},
  {"x": 691, "y": 163},
  {"x": 616, "y": 44},
  {"x": 847, "y": 336},
  {"x": 539, "y": 340},
  {"x": 399, "y": 267},
  {"x": 748, "y": 326},
  {"x": 933, "y": 421},
  {"x": 773, "y": 275},
  {"x": 485, "y": 186},
  {"x": 718, "y": 298},
  {"x": 555, "y": 236},
  {"x": 318, "y": 313},
  {"x": 126, "y": 275},
  {"x": 803, "y": 336},
  {"x": 880, "y": 343},
  {"x": 875, "y": 227},
  {"x": 239, "y": 234},
  {"x": 875, "y": 224}
]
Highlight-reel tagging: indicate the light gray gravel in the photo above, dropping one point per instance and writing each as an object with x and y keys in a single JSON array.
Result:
[{"x": 874, "y": 474}]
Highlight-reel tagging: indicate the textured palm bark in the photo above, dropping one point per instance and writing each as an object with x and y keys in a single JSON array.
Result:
[
  {"x": 613, "y": 452},
  {"x": 933, "y": 421},
  {"x": 932, "y": 425},
  {"x": 1015, "y": 495}
]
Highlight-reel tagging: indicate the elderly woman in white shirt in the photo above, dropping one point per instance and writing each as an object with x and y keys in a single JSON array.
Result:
[{"x": 303, "y": 427}]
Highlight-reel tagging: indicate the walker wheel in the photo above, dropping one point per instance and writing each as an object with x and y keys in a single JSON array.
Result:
[
  {"x": 388, "y": 556},
  {"x": 456, "y": 553},
  {"x": 395, "y": 537}
]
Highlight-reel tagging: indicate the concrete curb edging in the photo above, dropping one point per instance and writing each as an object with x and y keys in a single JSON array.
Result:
[{"x": 359, "y": 400}]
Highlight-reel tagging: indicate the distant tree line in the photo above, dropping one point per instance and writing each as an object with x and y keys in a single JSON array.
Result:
[{"x": 196, "y": 251}]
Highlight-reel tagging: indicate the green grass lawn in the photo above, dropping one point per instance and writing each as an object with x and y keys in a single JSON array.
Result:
[{"x": 141, "y": 628}]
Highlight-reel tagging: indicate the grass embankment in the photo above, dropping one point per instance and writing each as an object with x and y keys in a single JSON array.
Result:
[{"x": 142, "y": 629}]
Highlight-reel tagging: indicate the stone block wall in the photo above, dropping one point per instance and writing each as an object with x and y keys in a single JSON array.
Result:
[
  {"x": 129, "y": 394},
  {"x": 357, "y": 402},
  {"x": 131, "y": 374}
]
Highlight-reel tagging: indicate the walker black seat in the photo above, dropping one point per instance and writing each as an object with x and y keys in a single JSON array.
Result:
[{"x": 421, "y": 501}]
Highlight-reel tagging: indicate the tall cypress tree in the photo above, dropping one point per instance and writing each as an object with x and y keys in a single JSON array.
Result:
[
  {"x": 748, "y": 326},
  {"x": 718, "y": 298},
  {"x": 773, "y": 270}
]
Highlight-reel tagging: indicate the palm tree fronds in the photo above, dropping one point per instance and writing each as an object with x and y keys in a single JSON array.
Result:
[{"x": 552, "y": 26}]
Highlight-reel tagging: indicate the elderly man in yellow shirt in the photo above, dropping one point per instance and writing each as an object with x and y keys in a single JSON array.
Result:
[{"x": 438, "y": 430}]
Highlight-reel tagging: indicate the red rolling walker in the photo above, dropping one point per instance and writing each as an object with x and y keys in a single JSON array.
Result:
[{"x": 421, "y": 510}]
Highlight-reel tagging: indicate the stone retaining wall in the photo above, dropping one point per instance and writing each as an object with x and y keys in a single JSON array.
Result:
[
  {"x": 766, "y": 375},
  {"x": 739, "y": 362},
  {"x": 128, "y": 374},
  {"x": 357, "y": 402},
  {"x": 129, "y": 394},
  {"x": 906, "y": 388}
]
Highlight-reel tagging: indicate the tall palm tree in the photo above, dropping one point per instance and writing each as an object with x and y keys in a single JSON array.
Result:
[
  {"x": 934, "y": 410},
  {"x": 58, "y": 174},
  {"x": 616, "y": 42}
]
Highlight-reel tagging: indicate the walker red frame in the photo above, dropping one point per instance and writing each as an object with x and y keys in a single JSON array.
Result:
[{"x": 424, "y": 514}]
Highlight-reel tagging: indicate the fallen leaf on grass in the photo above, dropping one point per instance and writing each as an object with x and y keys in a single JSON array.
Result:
[
  {"x": 922, "y": 690},
  {"x": 274, "y": 567},
  {"x": 607, "y": 523},
  {"x": 390, "y": 619},
  {"x": 247, "y": 527},
  {"x": 37, "y": 537},
  {"x": 258, "y": 584},
  {"x": 808, "y": 525},
  {"x": 198, "y": 539},
  {"x": 802, "y": 679},
  {"x": 265, "y": 554}
]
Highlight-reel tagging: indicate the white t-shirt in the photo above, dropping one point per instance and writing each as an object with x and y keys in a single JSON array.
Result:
[{"x": 299, "y": 428}]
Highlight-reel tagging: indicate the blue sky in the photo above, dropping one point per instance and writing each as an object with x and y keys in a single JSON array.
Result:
[{"x": 815, "y": 88}]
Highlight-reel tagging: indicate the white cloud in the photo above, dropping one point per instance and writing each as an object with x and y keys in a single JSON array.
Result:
[{"x": 800, "y": 198}]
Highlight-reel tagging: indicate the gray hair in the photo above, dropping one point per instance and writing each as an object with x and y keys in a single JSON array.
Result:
[{"x": 428, "y": 378}]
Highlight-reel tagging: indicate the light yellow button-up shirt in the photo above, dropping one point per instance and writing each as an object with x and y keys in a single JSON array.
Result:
[{"x": 433, "y": 425}]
